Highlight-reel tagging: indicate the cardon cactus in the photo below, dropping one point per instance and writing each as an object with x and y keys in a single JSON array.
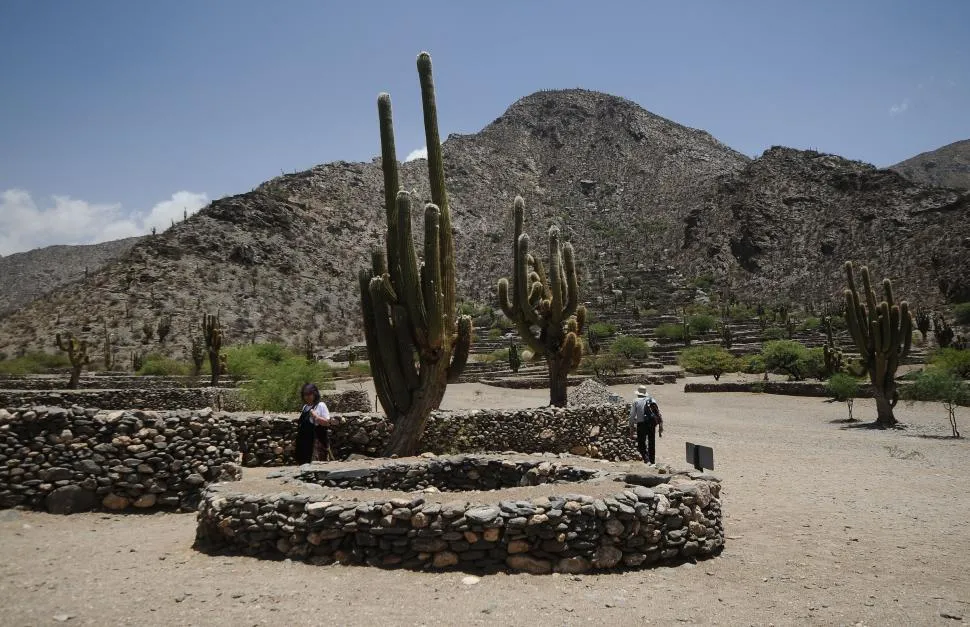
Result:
[
  {"x": 942, "y": 331},
  {"x": 212, "y": 334},
  {"x": 545, "y": 308},
  {"x": 414, "y": 341},
  {"x": 726, "y": 333},
  {"x": 108, "y": 351},
  {"x": 882, "y": 333},
  {"x": 515, "y": 362},
  {"x": 922, "y": 318},
  {"x": 77, "y": 353},
  {"x": 198, "y": 355}
]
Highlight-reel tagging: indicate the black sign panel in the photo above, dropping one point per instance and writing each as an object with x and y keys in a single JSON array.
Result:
[{"x": 700, "y": 457}]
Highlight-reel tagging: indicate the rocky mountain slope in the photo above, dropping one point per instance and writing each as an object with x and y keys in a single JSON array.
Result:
[
  {"x": 29, "y": 275},
  {"x": 649, "y": 205},
  {"x": 948, "y": 166}
]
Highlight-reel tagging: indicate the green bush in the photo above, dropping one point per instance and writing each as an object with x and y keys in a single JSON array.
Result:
[
  {"x": 35, "y": 363},
  {"x": 499, "y": 354},
  {"x": 605, "y": 363},
  {"x": 961, "y": 313},
  {"x": 276, "y": 387},
  {"x": 940, "y": 386},
  {"x": 603, "y": 329},
  {"x": 786, "y": 357},
  {"x": 742, "y": 313},
  {"x": 953, "y": 361},
  {"x": 843, "y": 387},
  {"x": 251, "y": 359},
  {"x": 702, "y": 323},
  {"x": 630, "y": 347},
  {"x": 752, "y": 364},
  {"x": 649, "y": 313},
  {"x": 811, "y": 324},
  {"x": 154, "y": 364},
  {"x": 773, "y": 333},
  {"x": 669, "y": 331},
  {"x": 495, "y": 333},
  {"x": 813, "y": 364},
  {"x": 707, "y": 360}
]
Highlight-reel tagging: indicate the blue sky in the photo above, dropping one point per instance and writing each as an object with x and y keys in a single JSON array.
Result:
[{"x": 116, "y": 114}]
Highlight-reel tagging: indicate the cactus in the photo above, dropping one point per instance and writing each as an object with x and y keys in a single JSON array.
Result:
[
  {"x": 791, "y": 326},
  {"x": 148, "y": 332},
  {"x": 514, "y": 360},
  {"x": 549, "y": 303},
  {"x": 410, "y": 313},
  {"x": 942, "y": 331},
  {"x": 164, "y": 328},
  {"x": 308, "y": 351},
  {"x": 198, "y": 355},
  {"x": 923, "y": 318},
  {"x": 77, "y": 353},
  {"x": 882, "y": 333},
  {"x": 137, "y": 360},
  {"x": 727, "y": 335},
  {"x": 592, "y": 341},
  {"x": 108, "y": 357},
  {"x": 685, "y": 325},
  {"x": 212, "y": 334}
]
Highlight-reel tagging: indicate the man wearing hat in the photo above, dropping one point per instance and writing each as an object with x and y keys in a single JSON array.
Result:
[{"x": 645, "y": 418}]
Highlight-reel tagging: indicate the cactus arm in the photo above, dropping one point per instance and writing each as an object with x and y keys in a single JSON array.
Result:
[
  {"x": 870, "y": 295},
  {"x": 907, "y": 328},
  {"x": 462, "y": 346},
  {"x": 409, "y": 278},
  {"x": 525, "y": 312},
  {"x": 405, "y": 347},
  {"x": 503, "y": 299},
  {"x": 555, "y": 277},
  {"x": 381, "y": 383},
  {"x": 389, "y": 353},
  {"x": 572, "y": 282},
  {"x": 432, "y": 278},
  {"x": 391, "y": 181}
]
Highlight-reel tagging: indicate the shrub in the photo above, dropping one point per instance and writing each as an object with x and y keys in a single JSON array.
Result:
[
  {"x": 707, "y": 360},
  {"x": 499, "y": 354},
  {"x": 630, "y": 347},
  {"x": 702, "y": 323},
  {"x": 649, "y": 313},
  {"x": 961, "y": 313},
  {"x": 252, "y": 359},
  {"x": 773, "y": 333},
  {"x": 752, "y": 364},
  {"x": 944, "y": 387},
  {"x": 844, "y": 388},
  {"x": 602, "y": 329},
  {"x": 495, "y": 333},
  {"x": 811, "y": 324},
  {"x": 276, "y": 387},
  {"x": 741, "y": 313},
  {"x": 35, "y": 363},
  {"x": 669, "y": 331},
  {"x": 605, "y": 364},
  {"x": 785, "y": 357},
  {"x": 154, "y": 364},
  {"x": 953, "y": 361},
  {"x": 812, "y": 365}
]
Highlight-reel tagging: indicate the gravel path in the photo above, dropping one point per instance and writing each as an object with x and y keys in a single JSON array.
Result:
[{"x": 825, "y": 525}]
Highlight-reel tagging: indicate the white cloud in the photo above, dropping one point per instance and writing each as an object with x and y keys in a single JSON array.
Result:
[
  {"x": 24, "y": 224},
  {"x": 900, "y": 108},
  {"x": 419, "y": 153}
]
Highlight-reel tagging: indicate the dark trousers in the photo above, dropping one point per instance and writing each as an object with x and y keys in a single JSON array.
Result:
[
  {"x": 647, "y": 441},
  {"x": 305, "y": 439}
]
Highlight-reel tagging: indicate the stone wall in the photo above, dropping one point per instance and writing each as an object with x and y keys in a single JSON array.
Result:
[
  {"x": 789, "y": 388},
  {"x": 161, "y": 399},
  {"x": 628, "y": 526},
  {"x": 109, "y": 381},
  {"x": 144, "y": 458}
]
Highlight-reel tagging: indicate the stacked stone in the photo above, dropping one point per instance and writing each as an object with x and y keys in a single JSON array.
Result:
[
  {"x": 98, "y": 381},
  {"x": 161, "y": 399},
  {"x": 592, "y": 392},
  {"x": 69, "y": 460},
  {"x": 571, "y": 533}
]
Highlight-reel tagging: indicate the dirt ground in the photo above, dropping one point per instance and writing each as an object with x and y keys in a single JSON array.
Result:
[{"x": 825, "y": 525}]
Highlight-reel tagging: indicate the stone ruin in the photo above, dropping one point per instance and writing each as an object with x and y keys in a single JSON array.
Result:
[{"x": 531, "y": 513}]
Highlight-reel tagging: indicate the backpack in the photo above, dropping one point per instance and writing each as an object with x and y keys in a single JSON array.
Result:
[{"x": 651, "y": 411}]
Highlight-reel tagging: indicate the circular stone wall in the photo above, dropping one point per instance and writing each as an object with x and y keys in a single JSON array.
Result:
[{"x": 539, "y": 514}]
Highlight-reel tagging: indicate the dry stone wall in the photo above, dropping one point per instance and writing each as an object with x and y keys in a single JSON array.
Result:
[
  {"x": 638, "y": 520},
  {"x": 77, "y": 459}
]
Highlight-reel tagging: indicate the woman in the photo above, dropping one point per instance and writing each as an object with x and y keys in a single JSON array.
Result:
[{"x": 312, "y": 433}]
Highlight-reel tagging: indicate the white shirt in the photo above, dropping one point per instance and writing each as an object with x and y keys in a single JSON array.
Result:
[{"x": 320, "y": 409}]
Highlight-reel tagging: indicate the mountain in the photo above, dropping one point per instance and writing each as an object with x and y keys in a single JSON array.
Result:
[
  {"x": 29, "y": 275},
  {"x": 948, "y": 166},
  {"x": 650, "y": 206}
]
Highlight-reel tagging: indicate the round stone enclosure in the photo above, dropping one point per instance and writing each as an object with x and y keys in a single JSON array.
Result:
[
  {"x": 544, "y": 514},
  {"x": 449, "y": 474}
]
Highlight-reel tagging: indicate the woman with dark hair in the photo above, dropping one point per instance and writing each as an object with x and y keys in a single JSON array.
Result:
[{"x": 312, "y": 432}]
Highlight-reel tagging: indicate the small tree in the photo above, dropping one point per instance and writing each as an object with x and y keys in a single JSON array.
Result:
[
  {"x": 164, "y": 328},
  {"x": 630, "y": 347},
  {"x": 712, "y": 360},
  {"x": 787, "y": 357},
  {"x": 944, "y": 387},
  {"x": 845, "y": 388},
  {"x": 77, "y": 353}
]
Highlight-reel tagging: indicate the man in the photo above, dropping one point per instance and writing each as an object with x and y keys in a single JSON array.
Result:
[{"x": 644, "y": 419}]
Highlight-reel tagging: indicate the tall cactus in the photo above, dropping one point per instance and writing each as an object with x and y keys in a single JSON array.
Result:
[
  {"x": 414, "y": 342},
  {"x": 108, "y": 350},
  {"x": 547, "y": 303},
  {"x": 922, "y": 318},
  {"x": 882, "y": 333},
  {"x": 942, "y": 331},
  {"x": 77, "y": 353},
  {"x": 515, "y": 362},
  {"x": 212, "y": 334},
  {"x": 197, "y": 352}
]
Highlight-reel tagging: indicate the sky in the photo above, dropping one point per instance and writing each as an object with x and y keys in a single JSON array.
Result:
[{"x": 118, "y": 116}]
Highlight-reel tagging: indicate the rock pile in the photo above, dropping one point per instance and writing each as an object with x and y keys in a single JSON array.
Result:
[
  {"x": 627, "y": 526},
  {"x": 592, "y": 392}
]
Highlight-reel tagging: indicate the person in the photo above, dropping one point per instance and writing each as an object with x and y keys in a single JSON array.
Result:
[
  {"x": 312, "y": 435},
  {"x": 645, "y": 418}
]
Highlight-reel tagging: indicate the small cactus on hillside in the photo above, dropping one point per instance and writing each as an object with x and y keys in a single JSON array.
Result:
[
  {"x": 514, "y": 360},
  {"x": 164, "y": 328},
  {"x": 727, "y": 335},
  {"x": 923, "y": 319},
  {"x": 592, "y": 341},
  {"x": 942, "y": 331},
  {"x": 137, "y": 360},
  {"x": 77, "y": 353},
  {"x": 212, "y": 333},
  {"x": 198, "y": 355},
  {"x": 308, "y": 351},
  {"x": 108, "y": 357}
]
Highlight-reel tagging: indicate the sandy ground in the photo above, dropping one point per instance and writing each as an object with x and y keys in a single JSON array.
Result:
[{"x": 825, "y": 525}]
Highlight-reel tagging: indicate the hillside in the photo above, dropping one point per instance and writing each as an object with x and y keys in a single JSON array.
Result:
[
  {"x": 29, "y": 275},
  {"x": 650, "y": 206},
  {"x": 948, "y": 166}
]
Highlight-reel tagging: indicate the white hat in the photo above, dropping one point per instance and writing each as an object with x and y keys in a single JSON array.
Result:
[{"x": 642, "y": 391}]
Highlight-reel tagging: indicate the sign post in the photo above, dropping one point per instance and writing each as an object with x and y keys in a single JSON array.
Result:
[{"x": 700, "y": 457}]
